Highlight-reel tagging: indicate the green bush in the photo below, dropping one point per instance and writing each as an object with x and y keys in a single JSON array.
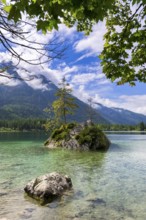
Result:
[
  {"x": 63, "y": 135},
  {"x": 62, "y": 132},
  {"x": 77, "y": 137},
  {"x": 89, "y": 135},
  {"x": 55, "y": 133},
  {"x": 84, "y": 139},
  {"x": 71, "y": 125}
]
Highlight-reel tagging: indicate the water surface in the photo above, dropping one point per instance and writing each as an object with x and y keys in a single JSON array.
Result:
[{"x": 106, "y": 186}]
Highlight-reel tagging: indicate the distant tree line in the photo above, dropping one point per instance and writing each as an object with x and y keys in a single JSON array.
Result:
[
  {"x": 39, "y": 124},
  {"x": 23, "y": 124},
  {"x": 118, "y": 127}
]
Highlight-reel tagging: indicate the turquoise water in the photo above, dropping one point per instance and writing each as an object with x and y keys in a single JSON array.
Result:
[{"x": 106, "y": 186}]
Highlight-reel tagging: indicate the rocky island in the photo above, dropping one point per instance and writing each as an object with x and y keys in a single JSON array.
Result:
[{"x": 75, "y": 136}]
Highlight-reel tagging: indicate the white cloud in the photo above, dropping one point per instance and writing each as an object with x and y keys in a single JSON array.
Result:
[
  {"x": 66, "y": 32},
  {"x": 83, "y": 78},
  {"x": 134, "y": 103},
  {"x": 9, "y": 82},
  {"x": 37, "y": 84},
  {"x": 86, "y": 78},
  {"x": 86, "y": 55},
  {"x": 104, "y": 81},
  {"x": 36, "y": 40},
  {"x": 25, "y": 70},
  {"x": 94, "y": 42},
  {"x": 54, "y": 75}
]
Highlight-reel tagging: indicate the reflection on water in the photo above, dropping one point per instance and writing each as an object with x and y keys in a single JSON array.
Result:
[{"x": 107, "y": 186}]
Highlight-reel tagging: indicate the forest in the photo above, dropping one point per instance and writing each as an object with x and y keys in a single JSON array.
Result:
[
  {"x": 22, "y": 125},
  {"x": 39, "y": 124}
]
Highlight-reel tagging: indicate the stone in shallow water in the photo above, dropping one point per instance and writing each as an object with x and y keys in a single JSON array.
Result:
[
  {"x": 48, "y": 187},
  {"x": 3, "y": 194},
  {"x": 97, "y": 201}
]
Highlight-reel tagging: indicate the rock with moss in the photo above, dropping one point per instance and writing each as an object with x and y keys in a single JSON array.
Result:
[
  {"x": 48, "y": 187},
  {"x": 78, "y": 137}
]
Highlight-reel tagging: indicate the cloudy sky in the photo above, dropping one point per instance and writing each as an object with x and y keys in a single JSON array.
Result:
[{"x": 81, "y": 67}]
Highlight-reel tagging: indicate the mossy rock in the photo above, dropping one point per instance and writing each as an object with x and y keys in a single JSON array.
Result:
[
  {"x": 62, "y": 132},
  {"x": 94, "y": 137},
  {"x": 79, "y": 137}
]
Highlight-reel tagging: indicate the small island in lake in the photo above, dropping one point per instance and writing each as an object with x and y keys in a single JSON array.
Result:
[{"x": 78, "y": 137}]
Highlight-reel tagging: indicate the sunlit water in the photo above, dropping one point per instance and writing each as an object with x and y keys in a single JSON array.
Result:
[{"x": 106, "y": 186}]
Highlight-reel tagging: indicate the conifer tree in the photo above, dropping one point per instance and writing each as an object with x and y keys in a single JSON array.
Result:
[{"x": 64, "y": 105}]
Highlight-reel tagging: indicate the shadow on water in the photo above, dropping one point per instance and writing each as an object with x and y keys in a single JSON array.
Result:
[{"x": 115, "y": 148}]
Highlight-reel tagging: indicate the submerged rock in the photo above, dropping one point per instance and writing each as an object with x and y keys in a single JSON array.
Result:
[
  {"x": 95, "y": 202},
  {"x": 78, "y": 137},
  {"x": 48, "y": 187}
]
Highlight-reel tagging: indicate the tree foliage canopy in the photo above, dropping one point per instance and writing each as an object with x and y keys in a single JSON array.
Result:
[
  {"x": 53, "y": 12},
  {"x": 64, "y": 104},
  {"x": 124, "y": 54},
  {"x": 123, "y": 57},
  {"x": 18, "y": 41}
]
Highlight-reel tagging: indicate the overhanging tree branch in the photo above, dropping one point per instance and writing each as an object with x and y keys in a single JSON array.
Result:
[{"x": 16, "y": 42}]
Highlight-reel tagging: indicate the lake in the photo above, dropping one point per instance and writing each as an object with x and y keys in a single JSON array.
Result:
[{"x": 106, "y": 186}]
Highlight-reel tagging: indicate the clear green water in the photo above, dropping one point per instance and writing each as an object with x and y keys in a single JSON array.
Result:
[{"x": 106, "y": 186}]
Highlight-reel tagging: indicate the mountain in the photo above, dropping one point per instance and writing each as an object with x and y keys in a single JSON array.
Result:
[
  {"x": 22, "y": 101},
  {"x": 119, "y": 115}
]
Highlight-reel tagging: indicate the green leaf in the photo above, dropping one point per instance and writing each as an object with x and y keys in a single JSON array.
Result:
[
  {"x": 132, "y": 83},
  {"x": 14, "y": 14},
  {"x": 8, "y": 8},
  {"x": 82, "y": 13},
  {"x": 4, "y": 2},
  {"x": 133, "y": 2},
  {"x": 106, "y": 44}
]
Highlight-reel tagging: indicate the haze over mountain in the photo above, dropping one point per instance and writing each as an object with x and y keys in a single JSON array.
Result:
[
  {"x": 119, "y": 115},
  {"x": 23, "y": 101}
]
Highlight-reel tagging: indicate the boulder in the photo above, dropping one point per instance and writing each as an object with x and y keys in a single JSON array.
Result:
[{"x": 48, "y": 187}]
